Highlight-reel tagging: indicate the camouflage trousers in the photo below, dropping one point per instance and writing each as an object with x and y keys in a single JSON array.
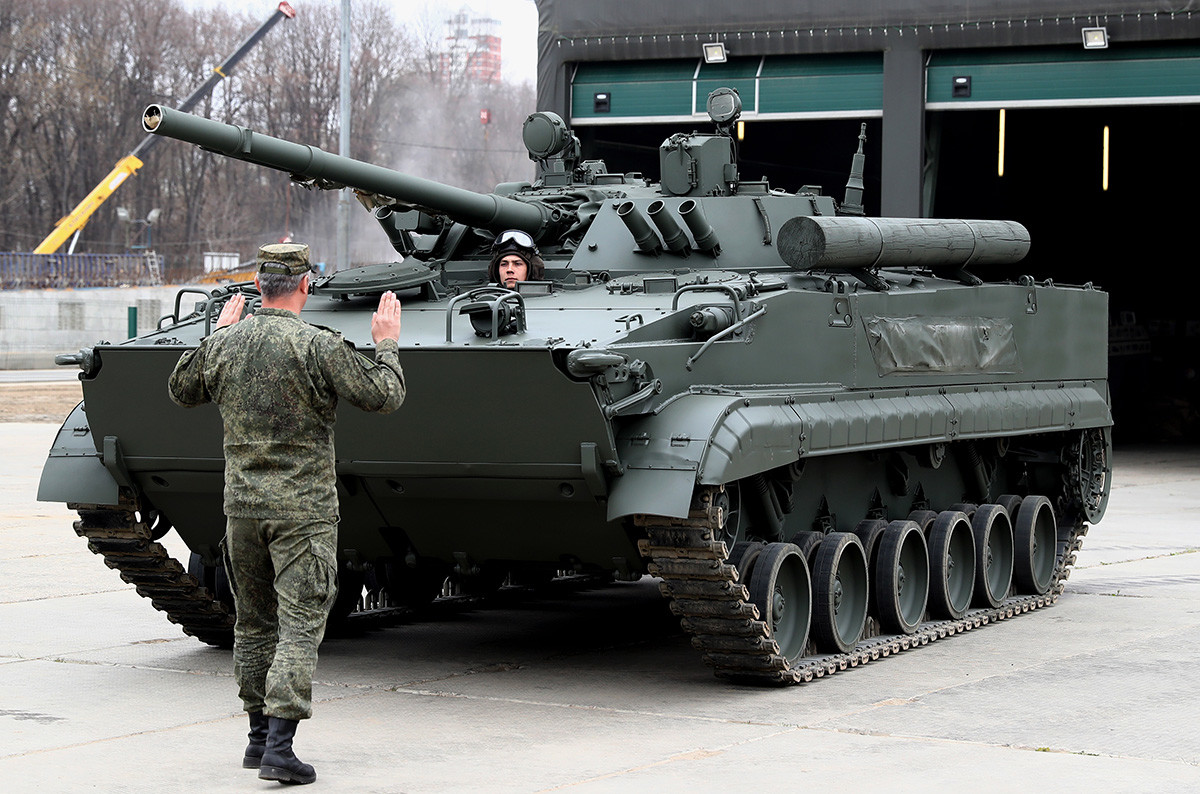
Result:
[{"x": 284, "y": 582}]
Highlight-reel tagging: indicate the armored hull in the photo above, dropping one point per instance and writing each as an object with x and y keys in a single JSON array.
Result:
[{"x": 826, "y": 437}]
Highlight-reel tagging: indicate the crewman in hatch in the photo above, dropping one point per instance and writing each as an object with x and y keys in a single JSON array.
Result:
[{"x": 515, "y": 258}]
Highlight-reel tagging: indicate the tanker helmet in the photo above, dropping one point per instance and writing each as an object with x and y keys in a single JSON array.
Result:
[{"x": 517, "y": 242}]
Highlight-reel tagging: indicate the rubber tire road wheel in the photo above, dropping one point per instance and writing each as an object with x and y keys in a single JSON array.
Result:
[
  {"x": 993, "y": 555},
  {"x": 213, "y": 578},
  {"x": 840, "y": 590},
  {"x": 808, "y": 541},
  {"x": 901, "y": 577},
  {"x": 869, "y": 531},
  {"x": 968, "y": 508},
  {"x": 1011, "y": 503},
  {"x": 951, "y": 565},
  {"x": 743, "y": 557},
  {"x": 781, "y": 588},
  {"x": 201, "y": 572},
  {"x": 1035, "y": 540},
  {"x": 924, "y": 519}
]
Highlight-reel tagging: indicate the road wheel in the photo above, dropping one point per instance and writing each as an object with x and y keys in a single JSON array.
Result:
[
  {"x": 839, "y": 592},
  {"x": 993, "y": 555},
  {"x": 901, "y": 580},
  {"x": 781, "y": 589},
  {"x": 1035, "y": 541},
  {"x": 951, "y": 564}
]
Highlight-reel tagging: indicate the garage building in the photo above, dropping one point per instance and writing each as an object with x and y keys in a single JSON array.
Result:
[{"x": 1073, "y": 118}]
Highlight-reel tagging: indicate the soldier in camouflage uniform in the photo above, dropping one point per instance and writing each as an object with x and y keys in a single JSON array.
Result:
[{"x": 277, "y": 381}]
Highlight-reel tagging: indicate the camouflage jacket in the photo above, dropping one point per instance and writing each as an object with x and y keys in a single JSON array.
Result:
[{"x": 277, "y": 380}]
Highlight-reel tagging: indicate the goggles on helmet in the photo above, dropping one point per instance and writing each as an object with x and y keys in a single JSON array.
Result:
[{"x": 515, "y": 240}]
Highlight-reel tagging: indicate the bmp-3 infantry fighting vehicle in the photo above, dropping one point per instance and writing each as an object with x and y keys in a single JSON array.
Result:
[{"x": 824, "y": 433}]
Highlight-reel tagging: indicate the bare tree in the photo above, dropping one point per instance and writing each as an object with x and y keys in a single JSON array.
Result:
[{"x": 74, "y": 79}]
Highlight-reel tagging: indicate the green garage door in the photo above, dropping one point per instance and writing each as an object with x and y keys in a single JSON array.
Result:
[
  {"x": 784, "y": 87},
  {"x": 1064, "y": 77}
]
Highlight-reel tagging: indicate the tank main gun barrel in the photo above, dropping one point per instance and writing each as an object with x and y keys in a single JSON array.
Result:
[{"x": 484, "y": 210}]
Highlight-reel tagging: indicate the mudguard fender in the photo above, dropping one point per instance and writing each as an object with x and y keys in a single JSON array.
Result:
[
  {"x": 699, "y": 438},
  {"x": 75, "y": 471},
  {"x": 719, "y": 438}
]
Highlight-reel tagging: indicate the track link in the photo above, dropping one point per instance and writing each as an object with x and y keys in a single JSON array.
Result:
[
  {"x": 715, "y": 608},
  {"x": 126, "y": 545}
]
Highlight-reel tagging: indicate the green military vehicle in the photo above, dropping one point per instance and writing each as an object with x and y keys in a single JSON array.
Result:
[{"x": 824, "y": 433}]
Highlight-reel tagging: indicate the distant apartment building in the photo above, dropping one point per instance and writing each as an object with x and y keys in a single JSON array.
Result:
[{"x": 472, "y": 49}]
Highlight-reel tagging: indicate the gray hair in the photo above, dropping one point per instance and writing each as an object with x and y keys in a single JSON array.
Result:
[{"x": 278, "y": 285}]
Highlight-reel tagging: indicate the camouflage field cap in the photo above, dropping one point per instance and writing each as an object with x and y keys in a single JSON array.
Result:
[{"x": 287, "y": 259}]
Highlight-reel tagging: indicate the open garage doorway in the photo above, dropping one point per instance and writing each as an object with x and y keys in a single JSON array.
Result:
[{"x": 1135, "y": 237}]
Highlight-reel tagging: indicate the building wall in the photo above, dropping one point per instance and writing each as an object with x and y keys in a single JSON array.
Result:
[
  {"x": 904, "y": 31},
  {"x": 37, "y": 325}
]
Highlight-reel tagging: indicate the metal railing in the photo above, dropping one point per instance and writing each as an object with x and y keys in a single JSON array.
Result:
[{"x": 20, "y": 270}]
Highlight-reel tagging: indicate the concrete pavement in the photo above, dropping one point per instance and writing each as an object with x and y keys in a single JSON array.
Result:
[{"x": 599, "y": 691}]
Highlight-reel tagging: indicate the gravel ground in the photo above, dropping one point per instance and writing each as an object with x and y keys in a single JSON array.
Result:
[{"x": 38, "y": 402}]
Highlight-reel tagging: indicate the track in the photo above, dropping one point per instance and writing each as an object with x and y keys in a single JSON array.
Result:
[
  {"x": 703, "y": 589},
  {"x": 715, "y": 607},
  {"x": 127, "y": 546}
]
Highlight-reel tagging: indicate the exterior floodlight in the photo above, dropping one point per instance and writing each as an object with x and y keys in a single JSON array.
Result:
[
  {"x": 154, "y": 215},
  {"x": 714, "y": 52},
  {"x": 1095, "y": 38},
  {"x": 123, "y": 214}
]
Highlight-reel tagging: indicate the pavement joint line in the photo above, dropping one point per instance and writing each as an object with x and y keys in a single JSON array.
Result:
[
  {"x": 698, "y": 754},
  {"x": 1162, "y": 556},
  {"x": 61, "y": 659},
  {"x": 106, "y": 739},
  {"x": 434, "y": 693},
  {"x": 62, "y": 595},
  {"x": 71, "y": 554},
  {"x": 1018, "y": 747}
]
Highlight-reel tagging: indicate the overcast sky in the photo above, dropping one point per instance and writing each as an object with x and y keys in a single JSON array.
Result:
[{"x": 518, "y": 23}]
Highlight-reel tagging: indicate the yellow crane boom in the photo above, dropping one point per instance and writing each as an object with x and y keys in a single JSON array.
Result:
[{"x": 77, "y": 218}]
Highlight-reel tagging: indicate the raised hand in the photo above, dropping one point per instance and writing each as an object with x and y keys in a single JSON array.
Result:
[
  {"x": 385, "y": 322},
  {"x": 232, "y": 312}
]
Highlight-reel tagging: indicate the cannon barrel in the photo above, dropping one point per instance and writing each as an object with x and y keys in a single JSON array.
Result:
[
  {"x": 484, "y": 210},
  {"x": 836, "y": 243}
]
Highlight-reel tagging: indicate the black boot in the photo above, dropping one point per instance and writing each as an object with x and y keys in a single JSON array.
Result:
[
  {"x": 279, "y": 762},
  {"x": 260, "y": 727}
]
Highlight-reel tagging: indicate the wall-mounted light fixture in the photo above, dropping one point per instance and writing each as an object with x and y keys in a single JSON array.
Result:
[
  {"x": 600, "y": 102},
  {"x": 961, "y": 86},
  {"x": 1095, "y": 38},
  {"x": 1000, "y": 150},
  {"x": 1104, "y": 160},
  {"x": 714, "y": 52}
]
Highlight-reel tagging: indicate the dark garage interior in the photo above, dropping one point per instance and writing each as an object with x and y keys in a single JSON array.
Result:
[{"x": 1135, "y": 240}]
